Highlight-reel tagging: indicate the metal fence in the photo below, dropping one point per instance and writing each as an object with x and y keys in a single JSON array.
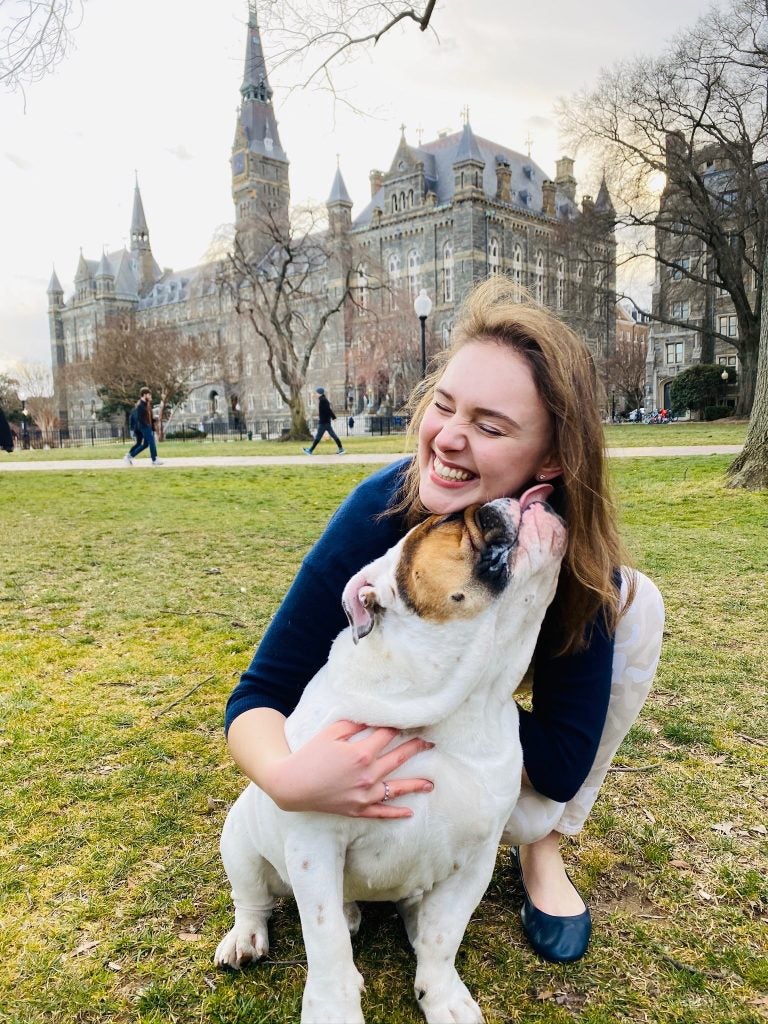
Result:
[{"x": 102, "y": 435}]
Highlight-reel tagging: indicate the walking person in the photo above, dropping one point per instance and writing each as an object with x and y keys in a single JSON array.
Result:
[
  {"x": 143, "y": 425},
  {"x": 513, "y": 405},
  {"x": 325, "y": 415}
]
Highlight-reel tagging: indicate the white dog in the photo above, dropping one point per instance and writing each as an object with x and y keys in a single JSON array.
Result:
[{"x": 450, "y": 617}]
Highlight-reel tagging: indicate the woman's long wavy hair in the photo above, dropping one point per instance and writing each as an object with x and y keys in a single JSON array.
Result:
[{"x": 564, "y": 374}]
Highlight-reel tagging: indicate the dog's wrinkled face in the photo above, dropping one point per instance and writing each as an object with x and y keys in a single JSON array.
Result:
[{"x": 450, "y": 567}]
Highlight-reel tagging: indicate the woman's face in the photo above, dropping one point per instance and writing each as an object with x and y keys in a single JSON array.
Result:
[{"x": 486, "y": 433}]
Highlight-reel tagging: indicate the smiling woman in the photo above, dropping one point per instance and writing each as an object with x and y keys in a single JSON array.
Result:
[{"x": 511, "y": 412}]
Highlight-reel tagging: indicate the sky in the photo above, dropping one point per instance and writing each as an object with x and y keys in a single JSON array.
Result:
[{"x": 152, "y": 89}]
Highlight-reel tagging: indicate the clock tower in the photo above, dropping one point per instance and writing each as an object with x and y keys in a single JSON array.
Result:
[{"x": 260, "y": 189}]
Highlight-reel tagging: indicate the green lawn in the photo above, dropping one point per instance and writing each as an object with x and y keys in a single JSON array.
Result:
[
  {"x": 127, "y": 614},
  {"x": 629, "y": 435}
]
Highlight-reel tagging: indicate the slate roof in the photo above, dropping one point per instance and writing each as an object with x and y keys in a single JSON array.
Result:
[{"x": 440, "y": 156}]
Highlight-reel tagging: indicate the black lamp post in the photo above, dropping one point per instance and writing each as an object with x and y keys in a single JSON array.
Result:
[
  {"x": 613, "y": 407},
  {"x": 422, "y": 306}
]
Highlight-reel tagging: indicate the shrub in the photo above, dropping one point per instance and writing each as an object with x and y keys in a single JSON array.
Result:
[{"x": 717, "y": 412}]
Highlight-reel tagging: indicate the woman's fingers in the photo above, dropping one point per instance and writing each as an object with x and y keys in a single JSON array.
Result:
[{"x": 387, "y": 763}]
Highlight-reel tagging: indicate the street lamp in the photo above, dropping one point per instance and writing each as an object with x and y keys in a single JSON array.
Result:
[
  {"x": 613, "y": 407},
  {"x": 724, "y": 375},
  {"x": 422, "y": 307}
]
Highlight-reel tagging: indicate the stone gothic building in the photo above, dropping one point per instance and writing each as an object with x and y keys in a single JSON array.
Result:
[{"x": 445, "y": 215}]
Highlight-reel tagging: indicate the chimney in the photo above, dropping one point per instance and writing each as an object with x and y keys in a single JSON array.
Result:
[
  {"x": 587, "y": 204},
  {"x": 377, "y": 180},
  {"x": 564, "y": 178},
  {"x": 548, "y": 189},
  {"x": 503, "y": 180}
]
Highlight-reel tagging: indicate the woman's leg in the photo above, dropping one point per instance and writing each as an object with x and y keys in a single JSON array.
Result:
[{"x": 537, "y": 823}]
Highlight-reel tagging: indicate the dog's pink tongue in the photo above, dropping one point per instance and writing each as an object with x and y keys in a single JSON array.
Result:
[{"x": 539, "y": 492}]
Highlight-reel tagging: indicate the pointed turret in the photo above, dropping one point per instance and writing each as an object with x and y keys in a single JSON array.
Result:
[
  {"x": 147, "y": 271},
  {"x": 339, "y": 205},
  {"x": 105, "y": 278},
  {"x": 55, "y": 291},
  {"x": 83, "y": 272},
  {"x": 468, "y": 164},
  {"x": 468, "y": 147},
  {"x": 339, "y": 192},
  {"x": 139, "y": 229},
  {"x": 603, "y": 203}
]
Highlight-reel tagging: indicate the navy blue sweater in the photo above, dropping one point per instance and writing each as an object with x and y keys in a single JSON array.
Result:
[{"x": 570, "y": 694}]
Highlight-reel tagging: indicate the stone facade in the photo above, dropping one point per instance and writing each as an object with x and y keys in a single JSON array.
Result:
[
  {"x": 444, "y": 216},
  {"x": 689, "y": 309}
]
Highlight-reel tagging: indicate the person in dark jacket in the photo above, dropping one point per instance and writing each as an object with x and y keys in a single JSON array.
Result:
[
  {"x": 513, "y": 405},
  {"x": 325, "y": 416},
  {"x": 145, "y": 438},
  {"x": 6, "y": 435}
]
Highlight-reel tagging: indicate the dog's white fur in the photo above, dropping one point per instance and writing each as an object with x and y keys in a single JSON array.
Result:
[{"x": 450, "y": 682}]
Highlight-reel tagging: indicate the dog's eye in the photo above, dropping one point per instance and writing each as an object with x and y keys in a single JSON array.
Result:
[{"x": 457, "y": 597}]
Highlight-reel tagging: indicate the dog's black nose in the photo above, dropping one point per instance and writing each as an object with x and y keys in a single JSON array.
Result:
[{"x": 500, "y": 534}]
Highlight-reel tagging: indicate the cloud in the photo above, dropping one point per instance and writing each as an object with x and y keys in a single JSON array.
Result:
[
  {"x": 180, "y": 152},
  {"x": 17, "y": 161}
]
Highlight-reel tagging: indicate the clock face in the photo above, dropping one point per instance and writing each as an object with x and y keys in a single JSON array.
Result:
[{"x": 238, "y": 163}]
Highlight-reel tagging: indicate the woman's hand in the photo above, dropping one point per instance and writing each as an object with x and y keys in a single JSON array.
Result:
[{"x": 331, "y": 774}]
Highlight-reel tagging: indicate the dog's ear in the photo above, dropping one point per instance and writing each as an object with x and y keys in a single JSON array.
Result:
[{"x": 359, "y": 603}]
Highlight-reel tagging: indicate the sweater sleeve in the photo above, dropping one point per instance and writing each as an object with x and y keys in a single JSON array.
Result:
[
  {"x": 561, "y": 733},
  {"x": 297, "y": 641}
]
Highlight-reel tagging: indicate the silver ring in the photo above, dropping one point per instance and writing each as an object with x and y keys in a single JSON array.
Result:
[{"x": 387, "y": 794}]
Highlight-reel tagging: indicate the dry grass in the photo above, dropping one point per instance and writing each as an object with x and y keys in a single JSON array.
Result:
[{"x": 116, "y": 600}]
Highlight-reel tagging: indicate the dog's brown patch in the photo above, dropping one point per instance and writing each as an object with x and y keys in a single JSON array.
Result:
[{"x": 435, "y": 572}]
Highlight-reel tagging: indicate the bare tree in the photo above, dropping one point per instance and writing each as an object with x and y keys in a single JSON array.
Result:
[
  {"x": 35, "y": 382},
  {"x": 35, "y": 35},
  {"x": 127, "y": 357},
  {"x": 318, "y": 35},
  {"x": 624, "y": 370},
  {"x": 289, "y": 296},
  {"x": 695, "y": 119}
]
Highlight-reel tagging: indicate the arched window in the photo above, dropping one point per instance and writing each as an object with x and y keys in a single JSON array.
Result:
[
  {"x": 560, "y": 283},
  {"x": 410, "y": 198},
  {"x": 580, "y": 287},
  {"x": 414, "y": 282},
  {"x": 517, "y": 271},
  {"x": 446, "y": 329},
  {"x": 493, "y": 256},
  {"x": 599, "y": 283},
  {"x": 393, "y": 271},
  {"x": 448, "y": 272},
  {"x": 538, "y": 287},
  {"x": 362, "y": 289},
  {"x": 394, "y": 203},
  {"x": 402, "y": 200}
]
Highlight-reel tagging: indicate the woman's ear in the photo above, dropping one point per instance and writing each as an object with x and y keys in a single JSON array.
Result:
[{"x": 549, "y": 469}]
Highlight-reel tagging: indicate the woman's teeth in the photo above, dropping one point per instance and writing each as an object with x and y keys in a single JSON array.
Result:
[{"x": 446, "y": 473}]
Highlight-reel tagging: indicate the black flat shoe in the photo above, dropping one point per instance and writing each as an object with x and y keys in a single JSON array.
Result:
[{"x": 560, "y": 940}]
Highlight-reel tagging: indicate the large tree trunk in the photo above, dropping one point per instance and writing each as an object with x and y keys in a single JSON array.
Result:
[
  {"x": 750, "y": 468},
  {"x": 299, "y": 430},
  {"x": 749, "y": 354}
]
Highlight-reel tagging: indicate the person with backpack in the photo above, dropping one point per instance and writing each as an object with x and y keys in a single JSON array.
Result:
[
  {"x": 325, "y": 415},
  {"x": 142, "y": 427}
]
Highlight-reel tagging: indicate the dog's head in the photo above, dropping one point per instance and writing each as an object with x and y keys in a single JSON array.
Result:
[{"x": 453, "y": 567}]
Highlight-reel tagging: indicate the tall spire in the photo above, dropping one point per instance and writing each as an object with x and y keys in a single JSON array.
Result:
[
  {"x": 139, "y": 229},
  {"x": 257, "y": 116}
]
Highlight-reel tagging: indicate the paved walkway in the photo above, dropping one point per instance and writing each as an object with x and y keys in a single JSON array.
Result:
[{"x": 14, "y": 462}]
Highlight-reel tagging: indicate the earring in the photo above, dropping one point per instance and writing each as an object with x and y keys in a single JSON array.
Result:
[{"x": 541, "y": 476}]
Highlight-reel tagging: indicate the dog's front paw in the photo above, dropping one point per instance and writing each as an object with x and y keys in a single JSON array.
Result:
[
  {"x": 448, "y": 1004},
  {"x": 246, "y": 942},
  {"x": 333, "y": 1001}
]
